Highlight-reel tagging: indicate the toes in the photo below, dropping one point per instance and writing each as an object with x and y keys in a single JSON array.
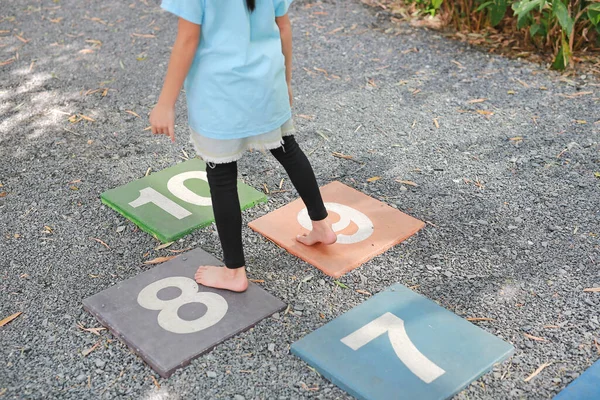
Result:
[{"x": 305, "y": 240}]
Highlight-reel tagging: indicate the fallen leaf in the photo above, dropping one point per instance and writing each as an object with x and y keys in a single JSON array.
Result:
[
  {"x": 22, "y": 39},
  {"x": 474, "y": 101},
  {"x": 522, "y": 83},
  {"x": 10, "y": 318},
  {"x": 6, "y": 62},
  {"x": 473, "y": 319},
  {"x": 436, "y": 123},
  {"x": 574, "y": 95},
  {"x": 537, "y": 371},
  {"x": 73, "y": 188},
  {"x": 363, "y": 292},
  {"x": 159, "y": 260},
  {"x": 595, "y": 289},
  {"x": 539, "y": 339},
  {"x": 373, "y": 179},
  {"x": 94, "y": 42},
  {"x": 144, "y": 35},
  {"x": 336, "y": 30},
  {"x": 132, "y": 113},
  {"x": 257, "y": 280},
  {"x": 86, "y": 51},
  {"x": 516, "y": 139},
  {"x": 95, "y": 331},
  {"x": 164, "y": 246},
  {"x": 85, "y": 353},
  {"x": 510, "y": 92},
  {"x": 87, "y": 118},
  {"x": 409, "y": 183},
  {"x": 3, "y": 194},
  {"x": 90, "y": 141},
  {"x": 340, "y": 155},
  {"x": 101, "y": 242},
  {"x": 581, "y": 121},
  {"x": 308, "y": 117},
  {"x": 485, "y": 112},
  {"x": 155, "y": 382},
  {"x": 340, "y": 284}
]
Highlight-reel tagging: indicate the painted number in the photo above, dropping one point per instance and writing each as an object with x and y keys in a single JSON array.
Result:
[
  {"x": 176, "y": 186},
  {"x": 216, "y": 305},
  {"x": 404, "y": 348},
  {"x": 347, "y": 215}
]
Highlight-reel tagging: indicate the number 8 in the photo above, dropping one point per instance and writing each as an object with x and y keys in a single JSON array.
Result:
[{"x": 168, "y": 319}]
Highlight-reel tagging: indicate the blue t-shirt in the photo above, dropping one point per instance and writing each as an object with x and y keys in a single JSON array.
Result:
[{"x": 236, "y": 85}]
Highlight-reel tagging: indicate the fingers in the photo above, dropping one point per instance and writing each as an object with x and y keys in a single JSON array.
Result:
[{"x": 171, "y": 132}]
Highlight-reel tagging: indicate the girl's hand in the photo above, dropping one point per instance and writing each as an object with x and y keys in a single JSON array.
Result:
[
  {"x": 291, "y": 94},
  {"x": 162, "y": 119}
]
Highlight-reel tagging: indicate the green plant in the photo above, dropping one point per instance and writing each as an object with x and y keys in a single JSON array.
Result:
[{"x": 562, "y": 26}]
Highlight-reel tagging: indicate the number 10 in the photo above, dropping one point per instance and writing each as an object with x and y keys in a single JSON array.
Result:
[{"x": 177, "y": 188}]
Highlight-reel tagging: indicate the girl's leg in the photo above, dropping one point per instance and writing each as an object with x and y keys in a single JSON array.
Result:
[
  {"x": 222, "y": 180},
  {"x": 301, "y": 174}
]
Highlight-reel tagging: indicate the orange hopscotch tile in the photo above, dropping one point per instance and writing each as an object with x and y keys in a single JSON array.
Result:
[{"x": 366, "y": 228}]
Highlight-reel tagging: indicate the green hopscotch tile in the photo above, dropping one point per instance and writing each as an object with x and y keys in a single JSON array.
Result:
[{"x": 174, "y": 202}]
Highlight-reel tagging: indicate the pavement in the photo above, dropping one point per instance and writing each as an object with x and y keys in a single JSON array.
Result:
[{"x": 507, "y": 187}]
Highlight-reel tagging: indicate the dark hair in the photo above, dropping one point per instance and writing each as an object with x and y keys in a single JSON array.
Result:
[{"x": 251, "y": 4}]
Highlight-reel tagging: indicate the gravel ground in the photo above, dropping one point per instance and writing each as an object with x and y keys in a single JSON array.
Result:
[{"x": 507, "y": 187}]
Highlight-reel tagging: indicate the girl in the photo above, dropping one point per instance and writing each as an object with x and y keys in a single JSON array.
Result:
[{"x": 238, "y": 86}]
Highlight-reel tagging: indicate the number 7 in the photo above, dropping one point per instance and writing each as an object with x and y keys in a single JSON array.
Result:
[{"x": 406, "y": 351}]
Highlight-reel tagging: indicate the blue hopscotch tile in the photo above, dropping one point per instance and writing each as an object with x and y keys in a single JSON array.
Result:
[
  {"x": 586, "y": 387},
  {"x": 400, "y": 345}
]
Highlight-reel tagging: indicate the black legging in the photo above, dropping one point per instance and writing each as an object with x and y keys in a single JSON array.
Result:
[{"x": 222, "y": 179}]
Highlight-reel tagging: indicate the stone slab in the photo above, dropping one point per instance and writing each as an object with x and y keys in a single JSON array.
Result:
[
  {"x": 586, "y": 387},
  {"x": 400, "y": 345},
  {"x": 168, "y": 319},
  {"x": 366, "y": 228},
  {"x": 173, "y": 202}
]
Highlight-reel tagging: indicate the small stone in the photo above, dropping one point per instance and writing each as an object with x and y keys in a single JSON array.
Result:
[
  {"x": 403, "y": 188},
  {"x": 271, "y": 347},
  {"x": 276, "y": 315},
  {"x": 120, "y": 229},
  {"x": 211, "y": 374},
  {"x": 448, "y": 274},
  {"x": 544, "y": 244},
  {"x": 471, "y": 276},
  {"x": 238, "y": 397},
  {"x": 299, "y": 307},
  {"x": 482, "y": 222},
  {"x": 100, "y": 363},
  {"x": 81, "y": 378},
  {"x": 298, "y": 313},
  {"x": 512, "y": 227},
  {"x": 321, "y": 282},
  {"x": 519, "y": 220},
  {"x": 526, "y": 328}
]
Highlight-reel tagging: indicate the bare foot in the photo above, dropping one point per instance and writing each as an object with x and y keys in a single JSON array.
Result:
[
  {"x": 321, "y": 233},
  {"x": 222, "y": 278}
]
